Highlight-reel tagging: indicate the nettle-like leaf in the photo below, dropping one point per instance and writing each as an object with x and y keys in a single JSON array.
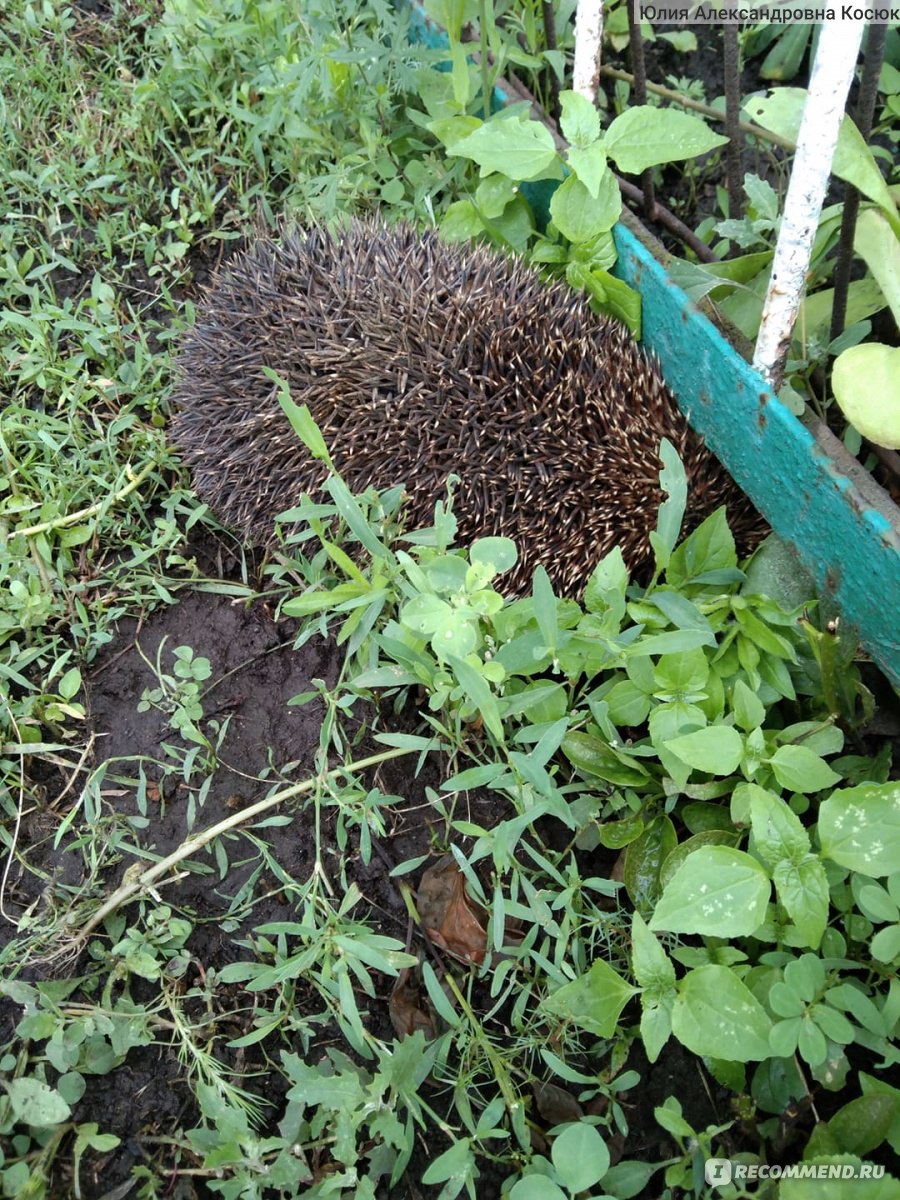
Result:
[
  {"x": 644, "y": 136},
  {"x": 716, "y": 1015},
  {"x": 581, "y": 216},
  {"x": 717, "y": 750},
  {"x": 718, "y": 892},
  {"x": 859, "y": 828},
  {"x": 517, "y": 147},
  {"x": 593, "y": 1001}
]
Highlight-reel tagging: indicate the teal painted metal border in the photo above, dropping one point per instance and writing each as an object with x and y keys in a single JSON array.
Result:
[{"x": 844, "y": 529}]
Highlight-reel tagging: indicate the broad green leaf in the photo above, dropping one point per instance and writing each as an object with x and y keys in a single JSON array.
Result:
[
  {"x": 606, "y": 587},
  {"x": 498, "y": 552},
  {"x": 656, "y": 1026},
  {"x": 716, "y": 1015},
  {"x": 580, "y": 1157},
  {"x": 592, "y": 756},
  {"x": 706, "y": 837},
  {"x": 781, "y": 112},
  {"x": 36, "y": 1103},
  {"x": 643, "y": 860},
  {"x": 859, "y": 1127},
  {"x": 879, "y": 245},
  {"x": 777, "y": 831},
  {"x": 798, "y": 769},
  {"x": 885, "y": 945},
  {"x": 802, "y": 889},
  {"x": 749, "y": 710},
  {"x": 717, "y": 750},
  {"x": 718, "y": 891},
  {"x": 708, "y": 550},
  {"x": 617, "y": 834},
  {"x": 517, "y": 147},
  {"x": 461, "y": 222},
  {"x": 581, "y": 217},
  {"x": 644, "y": 136},
  {"x": 651, "y": 965},
  {"x": 580, "y": 120},
  {"x": 457, "y": 1163},
  {"x": 70, "y": 684},
  {"x": 859, "y": 828},
  {"x": 680, "y": 674},
  {"x": 594, "y": 1001},
  {"x": 866, "y": 382},
  {"x": 626, "y": 1180}
]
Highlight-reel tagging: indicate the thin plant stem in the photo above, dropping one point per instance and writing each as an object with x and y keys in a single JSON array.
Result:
[
  {"x": 714, "y": 114},
  {"x": 92, "y": 510},
  {"x": 140, "y": 882}
]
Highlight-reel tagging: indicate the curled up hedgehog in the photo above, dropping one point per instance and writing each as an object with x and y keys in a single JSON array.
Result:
[{"x": 419, "y": 360}]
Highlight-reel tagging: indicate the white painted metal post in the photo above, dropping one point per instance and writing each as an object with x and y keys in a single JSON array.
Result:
[
  {"x": 588, "y": 43},
  {"x": 829, "y": 84}
]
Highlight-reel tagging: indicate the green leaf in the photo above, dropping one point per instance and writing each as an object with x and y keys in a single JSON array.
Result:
[
  {"x": 537, "y": 1187},
  {"x": 673, "y": 481},
  {"x": 859, "y": 828},
  {"x": 749, "y": 710},
  {"x": 866, "y": 382},
  {"x": 644, "y": 858},
  {"x": 626, "y": 1180},
  {"x": 301, "y": 420},
  {"x": 592, "y": 756},
  {"x": 479, "y": 693},
  {"x": 498, "y": 552},
  {"x": 716, "y": 1015},
  {"x": 781, "y": 112},
  {"x": 36, "y": 1103},
  {"x": 644, "y": 136},
  {"x": 605, "y": 591},
  {"x": 581, "y": 217},
  {"x": 656, "y": 1026},
  {"x": 457, "y": 1163},
  {"x": 709, "y": 549},
  {"x": 580, "y": 1157},
  {"x": 717, "y": 750},
  {"x": 862, "y": 1125},
  {"x": 545, "y": 608},
  {"x": 803, "y": 891},
  {"x": 879, "y": 245},
  {"x": 651, "y": 965},
  {"x": 718, "y": 891},
  {"x": 798, "y": 769},
  {"x": 593, "y": 1001},
  {"x": 591, "y": 167},
  {"x": 580, "y": 121},
  {"x": 517, "y": 147},
  {"x": 70, "y": 684},
  {"x": 777, "y": 831}
]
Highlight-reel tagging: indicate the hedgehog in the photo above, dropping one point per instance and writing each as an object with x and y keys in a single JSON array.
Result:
[{"x": 419, "y": 360}]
